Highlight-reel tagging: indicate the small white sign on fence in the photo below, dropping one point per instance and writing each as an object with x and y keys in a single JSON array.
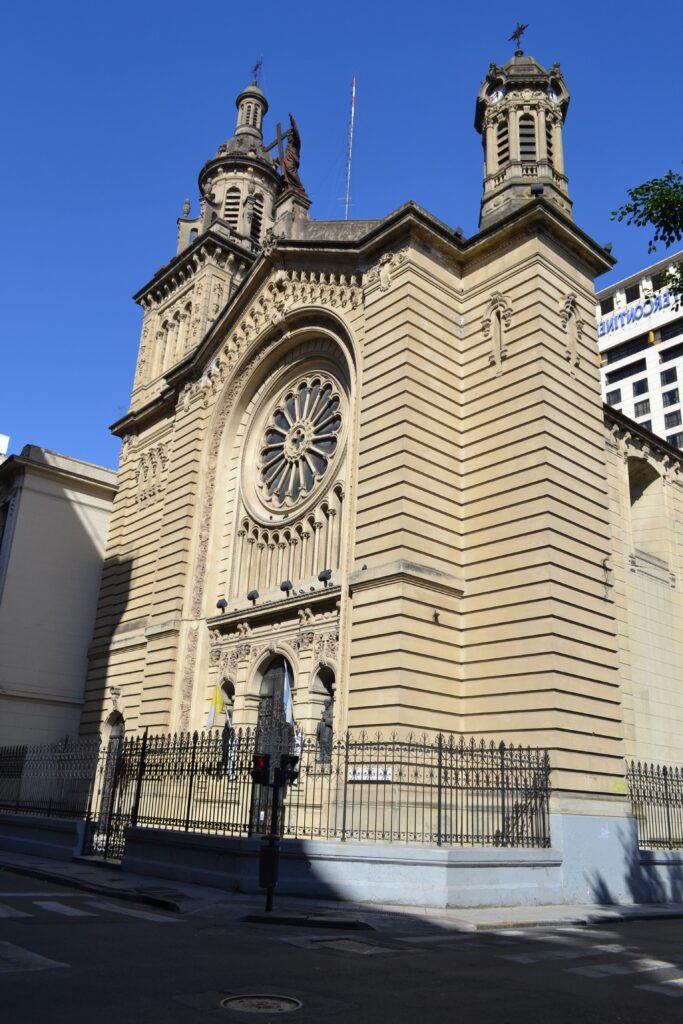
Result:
[{"x": 369, "y": 773}]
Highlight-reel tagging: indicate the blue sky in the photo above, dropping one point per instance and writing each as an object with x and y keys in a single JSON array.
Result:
[{"x": 110, "y": 111}]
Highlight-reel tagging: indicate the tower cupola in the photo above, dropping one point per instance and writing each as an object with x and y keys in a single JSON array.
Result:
[
  {"x": 521, "y": 109},
  {"x": 252, "y": 107}
]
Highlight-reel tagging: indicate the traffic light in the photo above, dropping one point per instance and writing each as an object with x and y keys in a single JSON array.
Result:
[
  {"x": 260, "y": 769},
  {"x": 289, "y": 764}
]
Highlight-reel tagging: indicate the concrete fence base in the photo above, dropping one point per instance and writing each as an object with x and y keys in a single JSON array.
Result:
[
  {"x": 593, "y": 859},
  {"x": 56, "y": 838},
  {"x": 368, "y": 873}
]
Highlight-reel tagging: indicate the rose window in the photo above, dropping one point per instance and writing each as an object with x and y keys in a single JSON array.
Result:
[{"x": 299, "y": 441}]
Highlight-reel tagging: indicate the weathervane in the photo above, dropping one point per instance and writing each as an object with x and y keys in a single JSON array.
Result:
[
  {"x": 517, "y": 37},
  {"x": 256, "y": 70}
]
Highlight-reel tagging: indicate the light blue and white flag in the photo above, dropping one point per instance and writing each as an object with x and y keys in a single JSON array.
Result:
[{"x": 287, "y": 699}]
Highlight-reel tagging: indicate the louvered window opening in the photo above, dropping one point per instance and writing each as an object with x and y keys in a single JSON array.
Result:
[
  {"x": 527, "y": 139},
  {"x": 549, "y": 141},
  {"x": 232, "y": 207},
  {"x": 257, "y": 218},
  {"x": 503, "y": 141}
]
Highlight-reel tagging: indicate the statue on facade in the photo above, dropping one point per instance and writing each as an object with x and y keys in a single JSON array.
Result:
[
  {"x": 323, "y": 733},
  {"x": 292, "y": 157}
]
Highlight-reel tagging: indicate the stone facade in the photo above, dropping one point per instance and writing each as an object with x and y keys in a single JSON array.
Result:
[{"x": 419, "y": 414}]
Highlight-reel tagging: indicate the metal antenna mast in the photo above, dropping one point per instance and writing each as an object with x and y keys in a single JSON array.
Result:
[{"x": 348, "y": 163}]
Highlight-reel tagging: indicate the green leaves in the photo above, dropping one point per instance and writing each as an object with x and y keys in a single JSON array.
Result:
[{"x": 659, "y": 204}]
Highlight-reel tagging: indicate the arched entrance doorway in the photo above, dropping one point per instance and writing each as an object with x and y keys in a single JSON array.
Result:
[
  {"x": 275, "y": 696},
  {"x": 275, "y": 738}
]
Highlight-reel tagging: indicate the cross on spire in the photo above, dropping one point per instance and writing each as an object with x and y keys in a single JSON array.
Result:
[
  {"x": 517, "y": 36},
  {"x": 256, "y": 70}
]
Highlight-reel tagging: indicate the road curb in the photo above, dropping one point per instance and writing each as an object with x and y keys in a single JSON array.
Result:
[
  {"x": 71, "y": 882},
  {"x": 177, "y": 906}
]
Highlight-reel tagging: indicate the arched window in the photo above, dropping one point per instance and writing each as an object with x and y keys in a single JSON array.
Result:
[
  {"x": 231, "y": 207},
  {"x": 256, "y": 217},
  {"x": 502, "y": 142},
  {"x": 527, "y": 138},
  {"x": 648, "y": 511},
  {"x": 277, "y": 681}
]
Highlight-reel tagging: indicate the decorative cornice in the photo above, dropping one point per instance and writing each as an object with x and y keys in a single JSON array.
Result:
[
  {"x": 299, "y": 606},
  {"x": 627, "y": 439},
  {"x": 209, "y": 249}
]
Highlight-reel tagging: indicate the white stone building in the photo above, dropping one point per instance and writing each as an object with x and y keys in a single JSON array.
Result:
[
  {"x": 640, "y": 339},
  {"x": 54, "y": 513}
]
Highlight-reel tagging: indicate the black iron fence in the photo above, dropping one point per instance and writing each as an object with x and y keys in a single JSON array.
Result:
[
  {"x": 437, "y": 790},
  {"x": 656, "y": 793},
  {"x": 53, "y": 779}
]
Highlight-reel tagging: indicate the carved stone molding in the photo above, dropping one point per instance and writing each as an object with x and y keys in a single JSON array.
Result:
[
  {"x": 495, "y": 322},
  {"x": 325, "y": 646},
  {"x": 304, "y": 641},
  {"x": 212, "y": 253},
  {"x": 286, "y": 291},
  {"x": 628, "y": 444},
  {"x": 128, "y": 446},
  {"x": 187, "y": 683},
  {"x": 150, "y": 473},
  {"x": 382, "y": 270},
  {"x": 573, "y": 326}
]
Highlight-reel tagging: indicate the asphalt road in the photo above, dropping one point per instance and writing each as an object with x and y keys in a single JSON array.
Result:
[{"x": 70, "y": 956}]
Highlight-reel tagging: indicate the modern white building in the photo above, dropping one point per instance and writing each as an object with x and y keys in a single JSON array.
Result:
[
  {"x": 54, "y": 514},
  {"x": 640, "y": 340}
]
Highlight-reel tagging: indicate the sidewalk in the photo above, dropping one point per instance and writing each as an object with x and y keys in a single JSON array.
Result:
[{"x": 185, "y": 898}]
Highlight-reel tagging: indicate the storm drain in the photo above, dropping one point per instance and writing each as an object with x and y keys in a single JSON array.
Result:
[{"x": 261, "y": 1004}]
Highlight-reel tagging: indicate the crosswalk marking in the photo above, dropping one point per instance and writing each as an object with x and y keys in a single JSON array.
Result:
[
  {"x": 57, "y": 907},
  {"x": 6, "y": 911},
  {"x": 672, "y": 987},
  {"x": 629, "y": 967},
  {"x": 129, "y": 912},
  {"x": 542, "y": 956},
  {"x": 62, "y": 908},
  {"x": 16, "y": 958}
]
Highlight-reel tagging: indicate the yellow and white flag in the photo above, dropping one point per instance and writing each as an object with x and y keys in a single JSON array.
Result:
[{"x": 216, "y": 706}]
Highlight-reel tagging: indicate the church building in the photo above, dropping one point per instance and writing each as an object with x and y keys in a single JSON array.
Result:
[{"x": 370, "y": 459}]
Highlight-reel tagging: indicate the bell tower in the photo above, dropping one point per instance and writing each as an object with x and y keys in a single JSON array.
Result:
[
  {"x": 240, "y": 185},
  {"x": 521, "y": 108}
]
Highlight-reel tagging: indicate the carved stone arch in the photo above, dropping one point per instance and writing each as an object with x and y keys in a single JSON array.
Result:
[
  {"x": 264, "y": 657},
  {"x": 237, "y": 380},
  {"x": 113, "y": 728},
  {"x": 322, "y": 675},
  {"x": 495, "y": 324}
]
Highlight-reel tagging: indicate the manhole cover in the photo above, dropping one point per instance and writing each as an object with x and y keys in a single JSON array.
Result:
[{"x": 261, "y": 1004}]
